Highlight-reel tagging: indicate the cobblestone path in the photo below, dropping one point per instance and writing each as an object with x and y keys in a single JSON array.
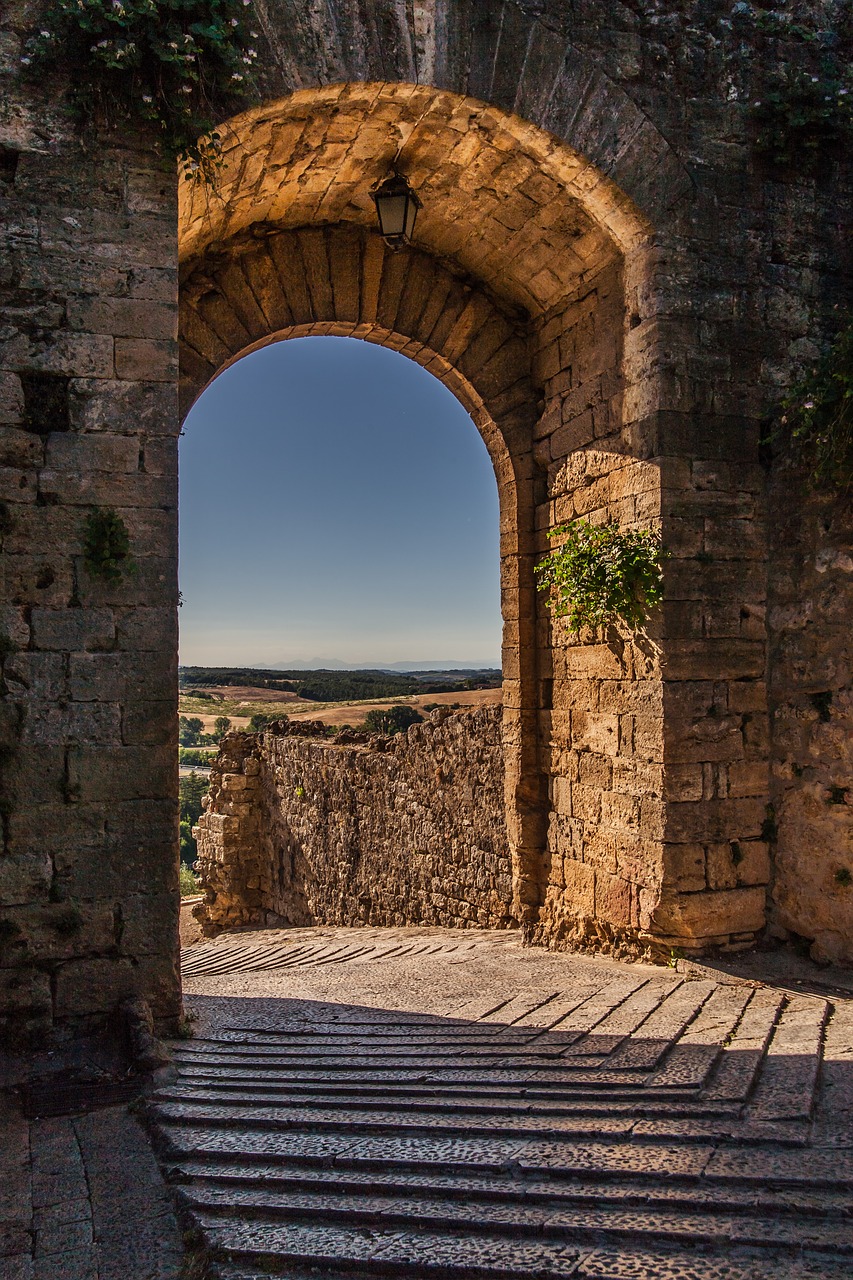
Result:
[{"x": 511, "y": 1117}]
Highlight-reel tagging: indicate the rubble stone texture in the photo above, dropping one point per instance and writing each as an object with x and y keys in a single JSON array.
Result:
[
  {"x": 615, "y": 286},
  {"x": 409, "y": 830}
]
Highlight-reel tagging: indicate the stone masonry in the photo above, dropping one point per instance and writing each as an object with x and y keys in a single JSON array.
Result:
[
  {"x": 617, "y": 286},
  {"x": 407, "y": 830}
]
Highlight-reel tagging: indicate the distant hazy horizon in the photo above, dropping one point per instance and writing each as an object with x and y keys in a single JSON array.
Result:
[
  {"x": 336, "y": 499},
  {"x": 337, "y": 664}
]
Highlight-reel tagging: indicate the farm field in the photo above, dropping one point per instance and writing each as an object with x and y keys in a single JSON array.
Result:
[{"x": 240, "y": 702}]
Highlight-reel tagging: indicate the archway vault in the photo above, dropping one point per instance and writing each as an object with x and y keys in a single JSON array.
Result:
[
  {"x": 506, "y": 201},
  {"x": 531, "y": 293},
  {"x": 343, "y": 280}
]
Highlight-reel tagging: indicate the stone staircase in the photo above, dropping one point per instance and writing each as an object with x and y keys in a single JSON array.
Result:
[{"x": 628, "y": 1129}]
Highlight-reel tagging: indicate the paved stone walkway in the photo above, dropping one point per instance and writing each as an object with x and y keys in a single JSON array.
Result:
[
  {"x": 420, "y": 1103},
  {"x": 82, "y": 1198}
]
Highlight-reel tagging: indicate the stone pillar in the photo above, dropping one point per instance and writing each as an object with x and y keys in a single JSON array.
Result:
[{"x": 88, "y": 424}]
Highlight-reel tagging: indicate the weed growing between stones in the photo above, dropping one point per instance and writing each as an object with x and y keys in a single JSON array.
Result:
[
  {"x": 173, "y": 64},
  {"x": 106, "y": 548},
  {"x": 603, "y": 574}
]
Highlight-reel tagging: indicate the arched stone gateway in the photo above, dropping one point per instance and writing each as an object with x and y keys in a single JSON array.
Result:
[
  {"x": 591, "y": 302},
  {"x": 516, "y": 298}
]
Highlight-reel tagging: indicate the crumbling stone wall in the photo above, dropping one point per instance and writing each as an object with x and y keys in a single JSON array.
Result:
[{"x": 408, "y": 830}]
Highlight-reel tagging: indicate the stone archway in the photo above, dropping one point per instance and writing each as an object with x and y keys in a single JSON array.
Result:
[
  {"x": 565, "y": 208},
  {"x": 344, "y": 281},
  {"x": 516, "y": 296}
]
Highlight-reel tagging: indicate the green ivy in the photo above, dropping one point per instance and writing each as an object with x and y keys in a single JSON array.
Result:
[
  {"x": 794, "y": 73},
  {"x": 800, "y": 116},
  {"x": 817, "y": 415},
  {"x": 174, "y": 64},
  {"x": 106, "y": 546},
  {"x": 603, "y": 574}
]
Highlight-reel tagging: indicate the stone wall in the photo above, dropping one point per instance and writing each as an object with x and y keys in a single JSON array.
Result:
[
  {"x": 407, "y": 830},
  {"x": 810, "y": 806},
  {"x": 88, "y": 358}
]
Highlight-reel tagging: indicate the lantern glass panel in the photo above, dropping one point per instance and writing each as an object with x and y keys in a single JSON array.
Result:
[{"x": 392, "y": 214}]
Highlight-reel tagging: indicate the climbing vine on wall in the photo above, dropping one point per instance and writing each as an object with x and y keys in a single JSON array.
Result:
[
  {"x": 173, "y": 64},
  {"x": 818, "y": 415},
  {"x": 602, "y": 574},
  {"x": 796, "y": 78},
  {"x": 784, "y": 67},
  {"x": 106, "y": 546}
]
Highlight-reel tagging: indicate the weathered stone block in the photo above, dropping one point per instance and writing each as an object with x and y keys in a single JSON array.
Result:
[
  {"x": 72, "y": 630},
  {"x": 104, "y": 774},
  {"x": 58, "y": 932},
  {"x": 125, "y": 317},
  {"x": 94, "y": 986},
  {"x": 612, "y": 900},
  {"x": 684, "y": 867},
  {"x": 146, "y": 360},
  {"x": 11, "y": 398},
  {"x": 101, "y": 404},
  {"x": 24, "y": 877},
  {"x": 697, "y": 916},
  {"x": 93, "y": 452}
]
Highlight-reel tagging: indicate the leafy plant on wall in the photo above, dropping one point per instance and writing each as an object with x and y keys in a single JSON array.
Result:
[
  {"x": 817, "y": 415},
  {"x": 106, "y": 546},
  {"x": 801, "y": 83},
  {"x": 173, "y": 64},
  {"x": 602, "y": 574}
]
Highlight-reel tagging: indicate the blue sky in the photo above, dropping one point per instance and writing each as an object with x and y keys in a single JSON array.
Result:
[{"x": 337, "y": 502}]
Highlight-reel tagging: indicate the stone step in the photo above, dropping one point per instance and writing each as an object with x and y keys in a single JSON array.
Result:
[
  {"x": 498, "y": 1071},
  {"x": 599, "y": 1264},
  {"x": 665, "y": 1024},
  {"x": 560, "y": 1158},
  {"x": 344, "y": 1051},
  {"x": 246, "y": 1091},
  {"x": 623, "y": 1086},
  {"x": 694, "y": 1054},
  {"x": 518, "y": 1218},
  {"x": 356, "y": 1054},
  {"x": 222, "y": 958},
  {"x": 785, "y": 1089},
  {"x": 738, "y": 1065},
  {"x": 522, "y": 1004},
  {"x": 692, "y": 1194},
  {"x": 263, "y": 1116},
  {"x": 457, "y": 1256},
  {"x": 474, "y": 1036},
  {"x": 610, "y": 1032},
  {"x": 557, "y": 1009}
]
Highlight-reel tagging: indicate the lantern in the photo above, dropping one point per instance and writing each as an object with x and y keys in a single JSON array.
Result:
[{"x": 396, "y": 208}]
